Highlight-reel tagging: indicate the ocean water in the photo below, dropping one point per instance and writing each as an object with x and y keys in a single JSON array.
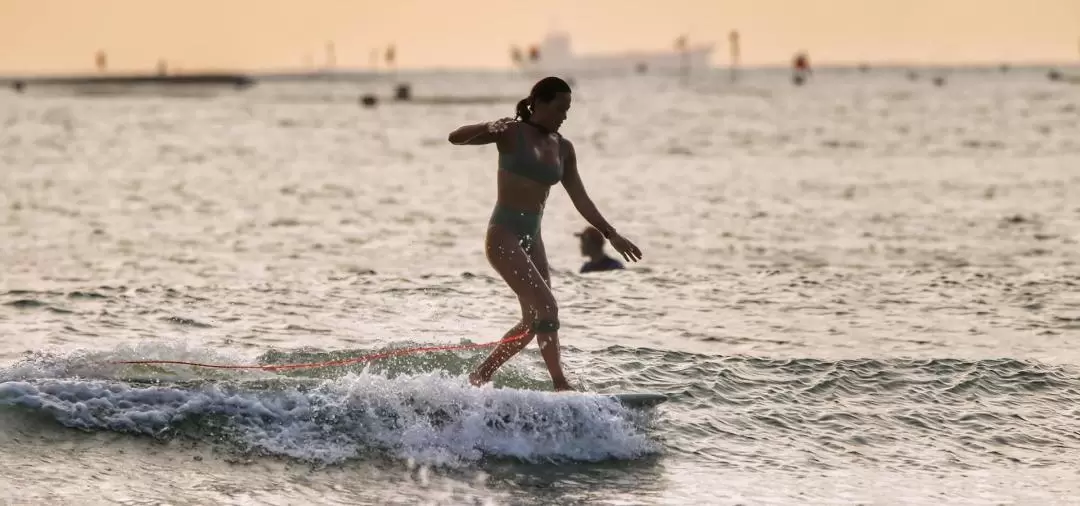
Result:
[{"x": 860, "y": 291}]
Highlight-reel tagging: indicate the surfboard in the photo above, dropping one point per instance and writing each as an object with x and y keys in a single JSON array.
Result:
[{"x": 639, "y": 399}]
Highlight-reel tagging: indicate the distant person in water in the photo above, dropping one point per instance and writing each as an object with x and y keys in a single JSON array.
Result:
[
  {"x": 533, "y": 157},
  {"x": 592, "y": 246}
]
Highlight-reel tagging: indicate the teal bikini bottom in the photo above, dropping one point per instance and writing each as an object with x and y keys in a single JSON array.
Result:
[{"x": 525, "y": 224}]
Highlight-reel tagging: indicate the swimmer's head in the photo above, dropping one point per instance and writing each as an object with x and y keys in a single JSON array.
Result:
[
  {"x": 592, "y": 242},
  {"x": 546, "y": 104}
]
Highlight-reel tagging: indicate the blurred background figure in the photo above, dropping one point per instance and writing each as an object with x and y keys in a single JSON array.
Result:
[
  {"x": 800, "y": 68},
  {"x": 592, "y": 246}
]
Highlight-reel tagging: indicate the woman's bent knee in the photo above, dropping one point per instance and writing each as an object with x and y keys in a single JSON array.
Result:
[
  {"x": 543, "y": 319},
  {"x": 532, "y": 313},
  {"x": 545, "y": 326}
]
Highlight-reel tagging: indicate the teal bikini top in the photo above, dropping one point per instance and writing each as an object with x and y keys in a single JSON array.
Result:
[{"x": 523, "y": 162}]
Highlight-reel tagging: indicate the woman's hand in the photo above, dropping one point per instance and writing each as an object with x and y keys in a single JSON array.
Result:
[
  {"x": 499, "y": 125},
  {"x": 627, "y": 249}
]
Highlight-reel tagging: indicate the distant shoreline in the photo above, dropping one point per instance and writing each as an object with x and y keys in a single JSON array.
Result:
[{"x": 241, "y": 79}]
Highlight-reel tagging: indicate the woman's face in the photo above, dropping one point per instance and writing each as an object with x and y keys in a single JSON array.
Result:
[{"x": 552, "y": 114}]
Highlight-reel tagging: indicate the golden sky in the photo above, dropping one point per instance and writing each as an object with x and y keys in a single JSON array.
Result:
[{"x": 63, "y": 35}]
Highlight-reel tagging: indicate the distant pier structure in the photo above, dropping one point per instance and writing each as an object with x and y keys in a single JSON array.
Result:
[{"x": 123, "y": 82}]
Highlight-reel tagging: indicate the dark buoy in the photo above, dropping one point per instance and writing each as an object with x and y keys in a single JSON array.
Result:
[
  {"x": 939, "y": 81},
  {"x": 1054, "y": 75},
  {"x": 403, "y": 92},
  {"x": 642, "y": 68},
  {"x": 368, "y": 100},
  {"x": 18, "y": 86}
]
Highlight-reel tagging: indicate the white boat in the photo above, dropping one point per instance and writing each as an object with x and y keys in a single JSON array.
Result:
[{"x": 553, "y": 55}]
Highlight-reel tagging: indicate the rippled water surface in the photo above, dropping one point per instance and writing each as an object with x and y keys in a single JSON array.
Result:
[{"x": 860, "y": 291}]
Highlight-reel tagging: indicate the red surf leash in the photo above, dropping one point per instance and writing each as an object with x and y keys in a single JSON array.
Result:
[{"x": 331, "y": 363}]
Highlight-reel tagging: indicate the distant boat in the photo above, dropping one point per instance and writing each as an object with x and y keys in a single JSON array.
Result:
[{"x": 553, "y": 55}]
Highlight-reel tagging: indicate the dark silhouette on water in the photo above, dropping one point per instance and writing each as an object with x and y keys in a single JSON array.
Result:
[{"x": 592, "y": 246}]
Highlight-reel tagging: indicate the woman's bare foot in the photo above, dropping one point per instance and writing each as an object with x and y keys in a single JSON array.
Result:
[
  {"x": 476, "y": 380},
  {"x": 564, "y": 387}
]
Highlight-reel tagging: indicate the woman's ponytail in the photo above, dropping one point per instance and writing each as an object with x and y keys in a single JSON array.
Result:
[{"x": 523, "y": 111}]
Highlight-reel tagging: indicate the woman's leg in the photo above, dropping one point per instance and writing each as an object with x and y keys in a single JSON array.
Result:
[
  {"x": 501, "y": 354},
  {"x": 538, "y": 256},
  {"x": 539, "y": 310},
  {"x": 548, "y": 341}
]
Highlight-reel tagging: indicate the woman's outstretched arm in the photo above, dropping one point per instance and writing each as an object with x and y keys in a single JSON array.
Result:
[
  {"x": 479, "y": 133},
  {"x": 584, "y": 205}
]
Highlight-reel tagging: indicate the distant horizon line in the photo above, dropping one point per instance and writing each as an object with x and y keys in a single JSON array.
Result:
[{"x": 373, "y": 71}]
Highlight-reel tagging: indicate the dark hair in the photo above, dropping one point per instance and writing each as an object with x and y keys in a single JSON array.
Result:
[{"x": 544, "y": 90}]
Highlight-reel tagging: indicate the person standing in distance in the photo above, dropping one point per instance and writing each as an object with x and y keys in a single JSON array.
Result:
[{"x": 592, "y": 246}]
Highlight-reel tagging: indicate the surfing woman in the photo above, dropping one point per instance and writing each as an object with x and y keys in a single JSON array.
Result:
[{"x": 533, "y": 157}]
